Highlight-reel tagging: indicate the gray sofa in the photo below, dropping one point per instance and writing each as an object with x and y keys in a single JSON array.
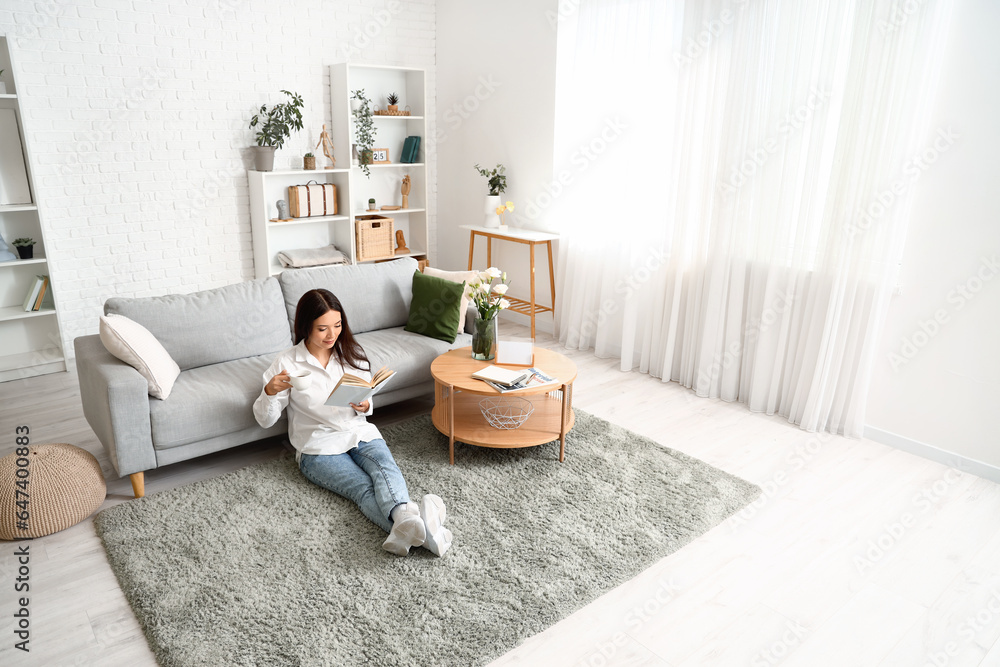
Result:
[{"x": 223, "y": 340}]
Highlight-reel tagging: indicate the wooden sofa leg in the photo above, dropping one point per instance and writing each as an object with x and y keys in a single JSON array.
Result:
[{"x": 138, "y": 484}]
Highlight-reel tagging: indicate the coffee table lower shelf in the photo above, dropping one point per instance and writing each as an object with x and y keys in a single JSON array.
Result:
[{"x": 545, "y": 423}]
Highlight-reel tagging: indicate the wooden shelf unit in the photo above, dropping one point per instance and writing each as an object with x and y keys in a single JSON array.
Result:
[
  {"x": 353, "y": 187},
  {"x": 30, "y": 342}
]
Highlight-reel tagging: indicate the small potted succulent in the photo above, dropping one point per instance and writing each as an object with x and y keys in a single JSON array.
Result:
[
  {"x": 309, "y": 161},
  {"x": 276, "y": 125},
  {"x": 25, "y": 247},
  {"x": 393, "y": 99},
  {"x": 371, "y": 204}
]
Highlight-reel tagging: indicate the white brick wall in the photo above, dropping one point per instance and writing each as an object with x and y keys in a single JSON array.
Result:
[{"x": 137, "y": 117}]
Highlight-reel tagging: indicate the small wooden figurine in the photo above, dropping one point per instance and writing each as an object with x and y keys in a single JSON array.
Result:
[
  {"x": 406, "y": 191},
  {"x": 327, "y": 143},
  {"x": 401, "y": 248}
]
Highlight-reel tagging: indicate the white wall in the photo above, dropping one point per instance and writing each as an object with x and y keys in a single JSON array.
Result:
[
  {"x": 496, "y": 66},
  {"x": 943, "y": 388},
  {"x": 137, "y": 117}
]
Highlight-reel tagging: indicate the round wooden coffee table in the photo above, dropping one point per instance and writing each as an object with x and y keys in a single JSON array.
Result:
[{"x": 457, "y": 394}]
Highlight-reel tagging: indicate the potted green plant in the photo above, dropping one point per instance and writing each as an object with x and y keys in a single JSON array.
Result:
[
  {"x": 496, "y": 181},
  {"x": 393, "y": 100},
  {"x": 276, "y": 125},
  {"x": 309, "y": 161},
  {"x": 364, "y": 128},
  {"x": 25, "y": 247},
  {"x": 371, "y": 204}
]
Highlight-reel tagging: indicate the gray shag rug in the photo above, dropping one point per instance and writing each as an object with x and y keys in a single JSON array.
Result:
[{"x": 261, "y": 567}]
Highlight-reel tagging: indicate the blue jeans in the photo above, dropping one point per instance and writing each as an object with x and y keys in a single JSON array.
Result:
[{"x": 366, "y": 475}]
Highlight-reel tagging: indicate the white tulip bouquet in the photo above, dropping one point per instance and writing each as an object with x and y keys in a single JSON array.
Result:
[{"x": 487, "y": 296}]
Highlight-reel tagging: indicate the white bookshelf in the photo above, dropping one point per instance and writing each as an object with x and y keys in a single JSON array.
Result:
[
  {"x": 30, "y": 343},
  {"x": 353, "y": 187}
]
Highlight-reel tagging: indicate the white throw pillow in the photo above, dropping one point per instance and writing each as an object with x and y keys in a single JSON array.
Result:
[
  {"x": 455, "y": 277},
  {"x": 136, "y": 346}
]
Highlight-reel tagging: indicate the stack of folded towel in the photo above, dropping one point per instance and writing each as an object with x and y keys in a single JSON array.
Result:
[{"x": 303, "y": 257}]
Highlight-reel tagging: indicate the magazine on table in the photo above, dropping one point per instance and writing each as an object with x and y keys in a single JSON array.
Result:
[{"x": 534, "y": 380}]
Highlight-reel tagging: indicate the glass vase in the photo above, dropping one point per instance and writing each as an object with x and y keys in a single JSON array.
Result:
[{"x": 484, "y": 338}]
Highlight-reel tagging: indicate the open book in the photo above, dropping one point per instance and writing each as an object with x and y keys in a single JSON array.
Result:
[
  {"x": 500, "y": 375},
  {"x": 352, "y": 389}
]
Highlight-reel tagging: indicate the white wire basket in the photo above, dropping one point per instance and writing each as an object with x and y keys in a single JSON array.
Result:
[{"x": 506, "y": 412}]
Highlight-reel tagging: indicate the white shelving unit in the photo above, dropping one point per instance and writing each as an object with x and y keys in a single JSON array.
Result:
[
  {"x": 30, "y": 343},
  {"x": 353, "y": 188}
]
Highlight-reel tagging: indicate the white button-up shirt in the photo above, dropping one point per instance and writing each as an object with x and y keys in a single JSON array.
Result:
[{"x": 314, "y": 428}]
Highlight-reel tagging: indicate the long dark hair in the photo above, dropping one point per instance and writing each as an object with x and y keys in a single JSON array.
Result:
[{"x": 313, "y": 305}]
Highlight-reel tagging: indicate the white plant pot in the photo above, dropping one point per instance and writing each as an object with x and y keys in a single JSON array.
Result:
[
  {"x": 3, "y": 88},
  {"x": 490, "y": 211}
]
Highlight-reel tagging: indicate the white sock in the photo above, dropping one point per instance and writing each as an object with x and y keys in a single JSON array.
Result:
[
  {"x": 438, "y": 538},
  {"x": 407, "y": 529}
]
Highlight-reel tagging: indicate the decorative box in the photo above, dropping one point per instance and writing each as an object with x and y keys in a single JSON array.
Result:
[
  {"x": 375, "y": 238},
  {"x": 312, "y": 199}
]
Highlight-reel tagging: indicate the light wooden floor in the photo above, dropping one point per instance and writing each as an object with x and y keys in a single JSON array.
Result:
[{"x": 858, "y": 554}]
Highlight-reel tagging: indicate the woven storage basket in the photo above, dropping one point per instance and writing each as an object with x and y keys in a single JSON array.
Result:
[
  {"x": 65, "y": 486},
  {"x": 375, "y": 237}
]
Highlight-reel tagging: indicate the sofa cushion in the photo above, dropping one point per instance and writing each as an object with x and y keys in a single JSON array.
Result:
[
  {"x": 232, "y": 322},
  {"x": 435, "y": 309},
  {"x": 458, "y": 277},
  {"x": 132, "y": 343},
  {"x": 374, "y": 296},
  {"x": 209, "y": 401},
  {"x": 409, "y": 354}
]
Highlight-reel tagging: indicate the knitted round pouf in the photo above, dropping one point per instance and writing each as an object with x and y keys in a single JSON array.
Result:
[{"x": 64, "y": 486}]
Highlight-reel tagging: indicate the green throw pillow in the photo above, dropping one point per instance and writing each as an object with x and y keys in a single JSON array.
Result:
[{"x": 436, "y": 307}]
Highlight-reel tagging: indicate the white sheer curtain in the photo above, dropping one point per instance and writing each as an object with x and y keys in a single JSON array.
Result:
[{"x": 737, "y": 180}]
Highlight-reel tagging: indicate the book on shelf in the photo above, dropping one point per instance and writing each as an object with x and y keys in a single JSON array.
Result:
[
  {"x": 411, "y": 148},
  {"x": 33, "y": 299},
  {"x": 352, "y": 389},
  {"x": 534, "y": 380}
]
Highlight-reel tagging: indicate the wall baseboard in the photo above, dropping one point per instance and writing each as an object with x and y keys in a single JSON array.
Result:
[{"x": 950, "y": 459}]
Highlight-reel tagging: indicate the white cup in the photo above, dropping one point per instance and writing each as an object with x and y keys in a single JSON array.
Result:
[{"x": 300, "y": 380}]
